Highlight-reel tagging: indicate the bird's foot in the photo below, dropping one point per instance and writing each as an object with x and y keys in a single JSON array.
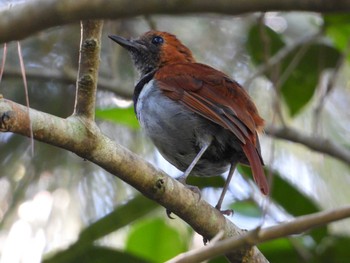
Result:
[
  {"x": 227, "y": 212},
  {"x": 193, "y": 188}
]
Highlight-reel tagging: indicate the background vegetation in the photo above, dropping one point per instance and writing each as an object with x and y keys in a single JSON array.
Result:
[{"x": 294, "y": 65}]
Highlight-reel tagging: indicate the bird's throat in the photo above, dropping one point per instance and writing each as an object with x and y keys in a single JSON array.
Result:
[{"x": 139, "y": 86}]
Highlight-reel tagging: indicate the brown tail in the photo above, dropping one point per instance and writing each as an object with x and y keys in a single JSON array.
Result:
[{"x": 256, "y": 165}]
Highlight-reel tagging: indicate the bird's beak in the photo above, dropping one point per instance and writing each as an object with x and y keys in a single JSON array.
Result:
[{"x": 126, "y": 43}]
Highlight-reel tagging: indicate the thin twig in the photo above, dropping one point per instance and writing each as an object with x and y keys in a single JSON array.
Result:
[
  {"x": 318, "y": 144},
  {"x": 280, "y": 55},
  {"x": 293, "y": 64},
  {"x": 23, "y": 71},
  {"x": 3, "y": 61},
  {"x": 330, "y": 87},
  {"x": 256, "y": 236}
]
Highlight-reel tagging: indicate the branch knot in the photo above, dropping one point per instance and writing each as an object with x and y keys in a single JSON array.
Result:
[
  {"x": 5, "y": 119},
  {"x": 159, "y": 185},
  {"x": 86, "y": 81},
  {"x": 89, "y": 45}
]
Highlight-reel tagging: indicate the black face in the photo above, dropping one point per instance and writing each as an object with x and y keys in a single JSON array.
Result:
[{"x": 145, "y": 51}]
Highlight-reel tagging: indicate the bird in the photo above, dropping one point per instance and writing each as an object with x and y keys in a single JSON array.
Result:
[{"x": 202, "y": 121}]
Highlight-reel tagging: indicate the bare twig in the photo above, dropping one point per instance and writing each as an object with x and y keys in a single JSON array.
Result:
[
  {"x": 273, "y": 72},
  {"x": 318, "y": 144},
  {"x": 329, "y": 88},
  {"x": 23, "y": 72},
  {"x": 89, "y": 61},
  {"x": 280, "y": 55},
  {"x": 3, "y": 61},
  {"x": 256, "y": 236},
  {"x": 293, "y": 64}
]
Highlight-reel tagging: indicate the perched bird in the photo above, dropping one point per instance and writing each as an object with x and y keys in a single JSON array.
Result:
[{"x": 201, "y": 120}]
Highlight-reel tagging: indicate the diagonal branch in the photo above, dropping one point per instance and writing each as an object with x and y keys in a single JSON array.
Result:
[
  {"x": 321, "y": 145},
  {"x": 254, "y": 237},
  {"x": 89, "y": 143},
  {"x": 49, "y": 13}
]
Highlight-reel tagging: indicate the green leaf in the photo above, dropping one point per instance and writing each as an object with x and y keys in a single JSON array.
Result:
[
  {"x": 337, "y": 27},
  {"x": 296, "y": 203},
  {"x": 290, "y": 199},
  {"x": 301, "y": 84},
  {"x": 279, "y": 250},
  {"x": 206, "y": 181},
  {"x": 95, "y": 254},
  {"x": 255, "y": 44},
  {"x": 120, "y": 217},
  {"x": 333, "y": 250},
  {"x": 155, "y": 240},
  {"x": 124, "y": 116},
  {"x": 247, "y": 208}
]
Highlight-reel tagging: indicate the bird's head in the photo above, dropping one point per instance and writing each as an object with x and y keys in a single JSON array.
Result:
[{"x": 155, "y": 49}]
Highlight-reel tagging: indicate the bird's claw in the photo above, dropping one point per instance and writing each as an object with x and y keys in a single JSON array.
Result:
[
  {"x": 227, "y": 212},
  {"x": 168, "y": 213}
]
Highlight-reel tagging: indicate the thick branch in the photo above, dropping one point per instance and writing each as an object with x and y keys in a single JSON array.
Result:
[
  {"x": 89, "y": 61},
  {"x": 48, "y": 13},
  {"x": 254, "y": 237},
  {"x": 89, "y": 143},
  {"x": 314, "y": 143}
]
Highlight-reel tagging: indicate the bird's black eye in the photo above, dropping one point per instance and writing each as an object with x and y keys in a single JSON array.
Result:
[{"x": 157, "y": 40}]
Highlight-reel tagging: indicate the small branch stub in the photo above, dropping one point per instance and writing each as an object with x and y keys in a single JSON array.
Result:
[{"x": 4, "y": 121}]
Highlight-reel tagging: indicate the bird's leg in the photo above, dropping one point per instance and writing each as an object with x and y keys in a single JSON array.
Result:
[
  {"x": 224, "y": 190},
  {"x": 183, "y": 177}
]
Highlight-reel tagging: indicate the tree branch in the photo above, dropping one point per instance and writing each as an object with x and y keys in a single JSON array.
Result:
[
  {"x": 89, "y": 61},
  {"x": 50, "y": 13},
  {"x": 89, "y": 143},
  {"x": 314, "y": 143},
  {"x": 256, "y": 236}
]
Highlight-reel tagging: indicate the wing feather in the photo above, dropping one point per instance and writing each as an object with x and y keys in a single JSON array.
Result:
[{"x": 213, "y": 95}]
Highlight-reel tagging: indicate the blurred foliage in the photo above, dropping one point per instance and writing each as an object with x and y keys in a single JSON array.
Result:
[
  {"x": 134, "y": 230},
  {"x": 309, "y": 60},
  {"x": 122, "y": 216},
  {"x": 158, "y": 240},
  {"x": 337, "y": 27},
  {"x": 124, "y": 116},
  {"x": 96, "y": 254}
]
